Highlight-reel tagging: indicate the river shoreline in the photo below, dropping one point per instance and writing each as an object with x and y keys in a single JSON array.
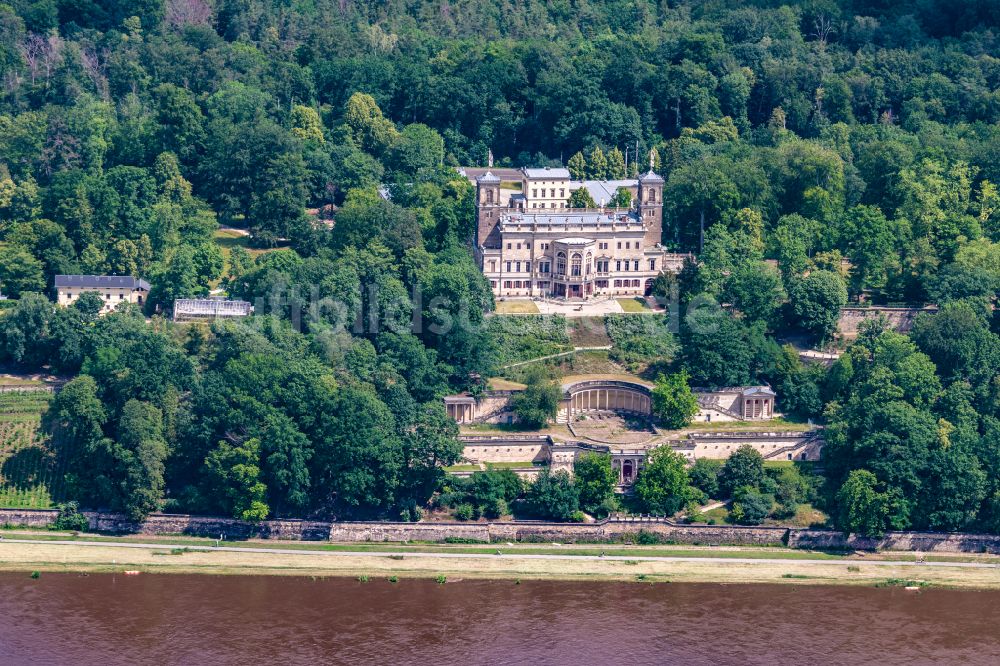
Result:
[{"x": 644, "y": 565}]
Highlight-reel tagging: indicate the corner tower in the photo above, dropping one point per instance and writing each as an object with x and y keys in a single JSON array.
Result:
[
  {"x": 650, "y": 198},
  {"x": 487, "y": 210}
]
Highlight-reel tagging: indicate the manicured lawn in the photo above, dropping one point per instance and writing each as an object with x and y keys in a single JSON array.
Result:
[
  {"x": 764, "y": 426},
  {"x": 512, "y": 465},
  {"x": 501, "y": 384},
  {"x": 719, "y": 515},
  {"x": 516, "y": 307},
  {"x": 633, "y": 304}
]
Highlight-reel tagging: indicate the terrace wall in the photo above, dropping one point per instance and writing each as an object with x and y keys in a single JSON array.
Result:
[{"x": 611, "y": 530}]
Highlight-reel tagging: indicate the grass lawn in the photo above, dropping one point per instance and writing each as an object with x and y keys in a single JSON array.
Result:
[
  {"x": 516, "y": 307},
  {"x": 633, "y": 304},
  {"x": 7, "y": 380},
  {"x": 501, "y": 384},
  {"x": 227, "y": 239},
  {"x": 720, "y": 516},
  {"x": 764, "y": 426},
  {"x": 462, "y": 468},
  {"x": 556, "y": 429},
  {"x": 807, "y": 515},
  {"x": 591, "y": 363},
  {"x": 588, "y": 332},
  {"x": 619, "y": 376}
]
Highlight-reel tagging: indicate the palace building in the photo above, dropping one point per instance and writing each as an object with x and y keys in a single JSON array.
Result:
[
  {"x": 530, "y": 244},
  {"x": 113, "y": 289}
]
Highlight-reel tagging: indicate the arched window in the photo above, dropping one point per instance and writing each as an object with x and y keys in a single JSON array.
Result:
[
  {"x": 576, "y": 263},
  {"x": 561, "y": 263},
  {"x": 489, "y": 196},
  {"x": 590, "y": 262}
]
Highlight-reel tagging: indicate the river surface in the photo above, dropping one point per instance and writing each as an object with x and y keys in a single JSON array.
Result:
[{"x": 175, "y": 619}]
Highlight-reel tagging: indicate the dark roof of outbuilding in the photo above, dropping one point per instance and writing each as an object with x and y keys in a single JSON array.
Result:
[{"x": 101, "y": 282}]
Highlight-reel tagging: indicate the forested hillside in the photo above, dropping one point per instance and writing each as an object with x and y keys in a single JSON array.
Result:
[{"x": 813, "y": 151}]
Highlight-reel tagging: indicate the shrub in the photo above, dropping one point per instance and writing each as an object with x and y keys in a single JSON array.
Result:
[
  {"x": 524, "y": 337},
  {"x": 496, "y": 508},
  {"x": 578, "y": 517},
  {"x": 647, "y": 538},
  {"x": 464, "y": 512},
  {"x": 639, "y": 339},
  {"x": 449, "y": 500},
  {"x": 70, "y": 519},
  {"x": 750, "y": 507},
  {"x": 606, "y": 508}
]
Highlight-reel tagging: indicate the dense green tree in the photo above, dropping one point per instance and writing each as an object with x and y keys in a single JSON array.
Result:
[
  {"x": 417, "y": 148},
  {"x": 862, "y": 509},
  {"x": 674, "y": 404},
  {"x": 20, "y": 272},
  {"x": 704, "y": 475},
  {"x": 597, "y": 164},
  {"x": 536, "y": 405},
  {"x": 616, "y": 164},
  {"x": 577, "y": 165},
  {"x": 495, "y": 490},
  {"x": 140, "y": 451},
  {"x": 750, "y": 506},
  {"x": 744, "y": 468},
  {"x": 580, "y": 198},
  {"x": 369, "y": 128},
  {"x": 662, "y": 484},
  {"x": 233, "y": 470},
  {"x": 622, "y": 198},
  {"x": 552, "y": 496},
  {"x": 816, "y": 301},
  {"x": 596, "y": 481},
  {"x": 27, "y": 338}
]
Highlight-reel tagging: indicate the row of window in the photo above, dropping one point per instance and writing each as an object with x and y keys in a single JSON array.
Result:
[
  {"x": 541, "y": 246},
  {"x": 526, "y": 284},
  {"x": 603, "y": 266},
  {"x": 600, "y": 246},
  {"x": 107, "y": 297},
  {"x": 552, "y": 193}
]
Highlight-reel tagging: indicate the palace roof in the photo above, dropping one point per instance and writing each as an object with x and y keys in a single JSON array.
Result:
[
  {"x": 554, "y": 173},
  {"x": 572, "y": 217},
  {"x": 101, "y": 282}
]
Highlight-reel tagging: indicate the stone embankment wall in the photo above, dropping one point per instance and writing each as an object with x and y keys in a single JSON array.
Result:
[
  {"x": 900, "y": 319},
  {"x": 614, "y": 530}
]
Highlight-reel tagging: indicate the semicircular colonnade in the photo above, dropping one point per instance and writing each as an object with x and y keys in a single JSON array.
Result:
[{"x": 607, "y": 395}]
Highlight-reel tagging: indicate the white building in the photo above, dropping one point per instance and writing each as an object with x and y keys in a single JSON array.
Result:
[
  {"x": 535, "y": 246},
  {"x": 113, "y": 289}
]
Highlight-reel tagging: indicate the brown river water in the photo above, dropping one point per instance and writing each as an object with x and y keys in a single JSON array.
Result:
[{"x": 175, "y": 619}]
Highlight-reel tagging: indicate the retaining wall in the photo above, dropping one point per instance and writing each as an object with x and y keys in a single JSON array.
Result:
[
  {"x": 900, "y": 319},
  {"x": 614, "y": 530}
]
